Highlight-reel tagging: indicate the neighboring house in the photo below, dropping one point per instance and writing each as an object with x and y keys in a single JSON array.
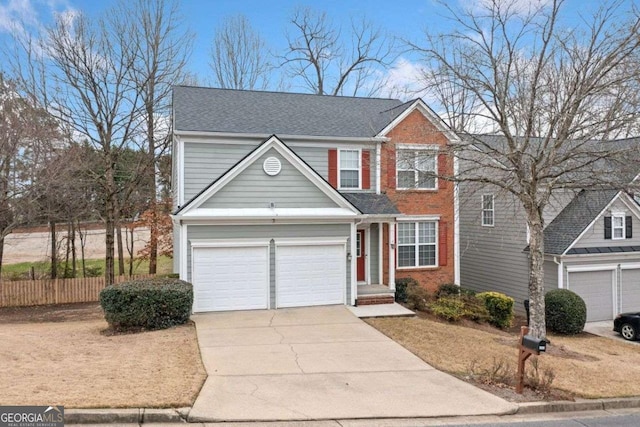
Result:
[
  {"x": 286, "y": 200},
  {"x": 590, "y": 246}
]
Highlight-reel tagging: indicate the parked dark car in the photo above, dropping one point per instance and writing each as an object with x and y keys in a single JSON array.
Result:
[{"x": 627, "y": 325}]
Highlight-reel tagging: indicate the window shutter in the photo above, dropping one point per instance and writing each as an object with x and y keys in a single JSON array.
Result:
[
  {"x": 333, "y": 168},
  {"x": 391, "y": 168},
  {"x": 442, "y": 243},
  {"x": 366, "y": 169},
  {"x": 628, "y": 223},
  {"x": 442, "y": 170},
  {"x": 607, "y": 227}
]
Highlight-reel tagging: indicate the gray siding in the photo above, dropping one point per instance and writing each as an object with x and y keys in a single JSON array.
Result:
[
  {"x": 253, "y": 188},
  {"x": 374, "y": 256},
  {"x": 492, "y": 258},
  {"x": 176, "y": 248},
  {"x": 204, "y": 163},
  {"x": 271, "y": 231},
  {"x": 550, "y": 275},
  {"x": 594, "y": 236}
]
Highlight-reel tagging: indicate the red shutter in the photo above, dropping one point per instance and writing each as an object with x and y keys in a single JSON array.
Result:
[
  {"x": 442, "y": 243},
  {"x": 442, "y": 171},
  {"x": 333, "y": 168},
  {"x": 366, "y": 169},
  {"x": 391, "y": 168}
]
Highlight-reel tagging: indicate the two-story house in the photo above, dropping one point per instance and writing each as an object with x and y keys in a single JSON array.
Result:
[
  {"x": 287, "y": 200},
  {"x": 590, "y": 245}
]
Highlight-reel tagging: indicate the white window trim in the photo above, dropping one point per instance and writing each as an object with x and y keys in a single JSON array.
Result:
[
  {"x": 417, "y": 245},
  {"x": 615, "y": 215},
  {"x": 359, "y": 187},
  {"x": 492, "y": 210},
  {"x": 415, "y": 170}
]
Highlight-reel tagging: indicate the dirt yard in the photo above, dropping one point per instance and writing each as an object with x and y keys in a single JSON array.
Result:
[
  {"x": 36, "y": 246},
  {"x": 60, "y": 355},
  {"x": 583, "y": 365}
]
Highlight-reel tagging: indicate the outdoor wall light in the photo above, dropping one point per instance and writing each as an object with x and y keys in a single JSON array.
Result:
[{"x": 349, "y": 257}]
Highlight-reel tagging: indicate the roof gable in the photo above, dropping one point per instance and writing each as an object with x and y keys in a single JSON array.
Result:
[
  {"x": 578, "y": 217},
  {"x": 419, "y": 105},
  {"x": 253, "y": 188},
  {"x": 294, "y": 166},
  {"x": 197, "y": 109}
]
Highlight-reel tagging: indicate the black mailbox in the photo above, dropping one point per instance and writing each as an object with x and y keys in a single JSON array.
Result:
[{"x": 534, "y": 344}]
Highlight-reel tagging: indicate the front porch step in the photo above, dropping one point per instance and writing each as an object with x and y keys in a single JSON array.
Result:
[{"x": 375, "y": 299}]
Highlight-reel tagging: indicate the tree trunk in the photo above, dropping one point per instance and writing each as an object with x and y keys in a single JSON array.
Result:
[
  {"x": 153, "y": 236},
  {"x": 537, "y": 325},
  {"x": 1, "y": 252},
  {"x": 110, "y": 214},
  {"x": 120, "y": 249},
  {"x": 54, "y": 251},
  {"x": 74, "y": 258},
  {"x": 130, "y": 247},
  {"x": 153, "y": 232},
  {"x": 67, "y": 253},
  {"x": 82, "y": 245}
]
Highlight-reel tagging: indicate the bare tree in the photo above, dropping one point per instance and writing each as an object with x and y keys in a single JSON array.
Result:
[
  {"x": 27, "y": 134},
  {"x": 239, "y": 57},
  {"x": 87, "y": 65},
  {"x": 161, "y": 47},
  {"x": 326, "y": 64},
  {"x": 551, "y": 93}
]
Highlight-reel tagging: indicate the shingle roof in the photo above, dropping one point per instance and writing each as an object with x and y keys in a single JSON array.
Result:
[
  {"x": 371, "y": 203},
  {"x": 254, "y": 112},
  {"x": 574, "y": 218},
  {"x": 603, "y": 250}
]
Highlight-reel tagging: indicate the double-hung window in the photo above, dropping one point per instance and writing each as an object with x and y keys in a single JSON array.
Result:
[
  {"x": 488, "y": 211},
  {"x": 416, "y": 169},
  {"x": 617, "y": 226},
  {"x": 349, "y": 169},
  {"x": 417, "y": 244}
]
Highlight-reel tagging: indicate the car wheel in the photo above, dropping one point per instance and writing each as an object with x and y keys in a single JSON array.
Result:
[{"x": 628, "y": 332}]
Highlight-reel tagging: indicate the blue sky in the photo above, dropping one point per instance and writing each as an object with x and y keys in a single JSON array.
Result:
[{"x": 401, "y": 18}]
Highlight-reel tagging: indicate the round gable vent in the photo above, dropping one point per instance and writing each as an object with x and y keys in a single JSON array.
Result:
[{"x": 272, "y": 166}]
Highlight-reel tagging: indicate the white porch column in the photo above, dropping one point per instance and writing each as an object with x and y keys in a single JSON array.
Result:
[
  {"x": 380, "y": 252},
  {"x": 392, "y": 256},
  {"x": 353, "y": 263}
]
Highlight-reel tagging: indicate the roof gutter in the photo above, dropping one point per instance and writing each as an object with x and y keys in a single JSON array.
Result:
[{"x": 234, "y": 135}]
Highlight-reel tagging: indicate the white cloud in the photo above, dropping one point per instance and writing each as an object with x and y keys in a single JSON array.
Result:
[
  {"x": 403, "y": 80},
  {"x": 20, "y": 17}
]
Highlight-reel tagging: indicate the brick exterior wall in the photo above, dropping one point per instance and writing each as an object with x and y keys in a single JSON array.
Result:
[{"x": 417, "y": 129}]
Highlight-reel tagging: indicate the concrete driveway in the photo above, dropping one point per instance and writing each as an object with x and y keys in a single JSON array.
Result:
[
  {"x": 605, "y": 329},
  {"x": 320, "y": 363}
]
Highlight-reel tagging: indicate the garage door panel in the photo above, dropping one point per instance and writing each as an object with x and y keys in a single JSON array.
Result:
[
  {"x": 630, "y": 290},
  {"x": 310, "y": 275},
  {"x": 596, "y": 289},
  {"x": 230, "y": 278}
]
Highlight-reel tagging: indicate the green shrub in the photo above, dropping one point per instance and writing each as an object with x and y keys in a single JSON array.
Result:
[
  {"x": 467, "y": 292},
  {"x": 500, "y": 308},
  {"x": 149, "y": 304},
  {"x": 450, "y": 308},
  {"x": 447, "y": 289},
  {"x": 401, "y": 288},
  {"x": 417, "y": 297},
  {"x": 474, "y": 309},
  {"x": 92, "y": 271},
  {"x": 565, "y": 312}
]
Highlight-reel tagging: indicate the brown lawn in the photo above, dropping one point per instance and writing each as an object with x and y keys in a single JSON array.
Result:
[
  {"x": 67, "y": 360},
  {"x": 584, "y": 365}
]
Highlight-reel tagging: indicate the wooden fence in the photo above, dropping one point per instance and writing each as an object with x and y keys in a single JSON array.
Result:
[{"x": 54, "y": 291}]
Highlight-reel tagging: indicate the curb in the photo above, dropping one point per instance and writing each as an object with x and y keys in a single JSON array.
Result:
[
  {"x": 125, "y": 416},
  {"x": 180, "y": 415},
  {"x": 579, "y": 405}
]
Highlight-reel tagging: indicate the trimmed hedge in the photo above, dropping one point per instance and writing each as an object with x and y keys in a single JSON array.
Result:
[
  {"x": 565, "y": 312},
  {"x": 500, "y": 308},
  {"x": 157, "y": 303},
  {"x": 401, "y": 288}
]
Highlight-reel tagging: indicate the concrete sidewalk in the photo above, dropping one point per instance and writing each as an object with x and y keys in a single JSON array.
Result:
[{"x": 320, "y": 363}]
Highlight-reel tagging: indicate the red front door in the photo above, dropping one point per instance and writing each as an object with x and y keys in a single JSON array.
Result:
[{"x": 360, "y": 256}]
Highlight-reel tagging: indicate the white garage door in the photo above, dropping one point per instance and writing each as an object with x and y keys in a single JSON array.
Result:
[
  {"x": 596, "y": 289},
  {"x": 310, "y": 275},
  {"x": 230, "y": 278},
  {"x": 630, "y": 290}
]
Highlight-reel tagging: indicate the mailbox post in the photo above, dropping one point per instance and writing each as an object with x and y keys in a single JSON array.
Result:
[{"x": 528, "y": 345}]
